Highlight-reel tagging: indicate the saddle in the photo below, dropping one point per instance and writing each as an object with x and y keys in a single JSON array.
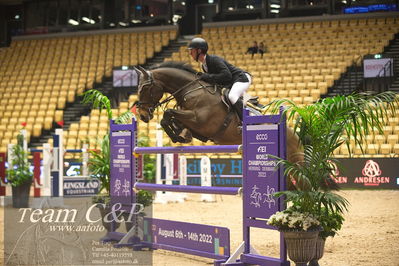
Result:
[{"x": 249, "y": 101}]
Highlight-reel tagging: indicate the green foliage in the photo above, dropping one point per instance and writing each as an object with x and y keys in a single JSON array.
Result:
[
  {"x": 19, "y": 173},
  {"x": 98, "y": 100},
  {"x": 124, "y": 118},
  {"x": 331, "y": 122},
  {"x": 144, "y": 197},
  {"x": 99, "y": 162},
  {"x": 331, "y": 223},
  {"x": 322, "y": 127},
  {"x": 149, "y": 160}
]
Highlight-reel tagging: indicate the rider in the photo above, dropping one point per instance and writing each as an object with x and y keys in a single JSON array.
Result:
[{"x": 219, "y": 71}]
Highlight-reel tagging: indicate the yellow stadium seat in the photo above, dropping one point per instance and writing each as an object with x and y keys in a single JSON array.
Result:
[{"x": 385, "y": 149}]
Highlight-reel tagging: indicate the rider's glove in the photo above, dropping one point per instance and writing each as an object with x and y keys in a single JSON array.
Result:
[{"x": 204, "y": 77}]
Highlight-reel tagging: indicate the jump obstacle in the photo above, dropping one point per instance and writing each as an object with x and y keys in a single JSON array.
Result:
[
  {"x": 48, "y": 167},
  {"x": 171, "y": 168},
  {"x": 262, "y": 135}
]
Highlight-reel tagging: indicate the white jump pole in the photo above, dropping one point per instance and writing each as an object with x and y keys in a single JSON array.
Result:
[
  {"x": 183, "y": 174},
  {"x": 159, "y": 195},
  {"x": 206, "y": 178},
  {"x": 85, "y": 160},
  {"x": 47, "y": 161}
]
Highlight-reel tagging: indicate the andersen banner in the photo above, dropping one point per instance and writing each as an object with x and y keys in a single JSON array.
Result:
[
  {"x": 369, "y": 173},
  {"x": 361, "y": 173}
]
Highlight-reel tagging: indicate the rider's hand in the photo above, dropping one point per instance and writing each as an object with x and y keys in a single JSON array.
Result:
[{"x": 204, "y": 77}]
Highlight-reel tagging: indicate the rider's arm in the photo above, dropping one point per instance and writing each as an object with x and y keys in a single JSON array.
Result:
[{"x": 220, "y": 73}]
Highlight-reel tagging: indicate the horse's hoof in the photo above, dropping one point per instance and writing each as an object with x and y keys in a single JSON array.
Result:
[{"x": 179, "y": 139}]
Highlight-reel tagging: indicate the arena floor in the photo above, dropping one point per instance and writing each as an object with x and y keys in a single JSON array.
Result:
[{"x": 369, "y": 237}]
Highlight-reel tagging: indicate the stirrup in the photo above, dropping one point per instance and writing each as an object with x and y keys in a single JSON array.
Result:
[{"x": 262, "y": 110}]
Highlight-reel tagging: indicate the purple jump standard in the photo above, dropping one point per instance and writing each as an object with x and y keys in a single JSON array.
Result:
[{"x": 262, "y": 136}]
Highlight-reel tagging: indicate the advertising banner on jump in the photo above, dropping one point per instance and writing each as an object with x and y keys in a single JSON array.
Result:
[
  {"x": 362, "y": 173},
  {"x": 180, "y": 235}
]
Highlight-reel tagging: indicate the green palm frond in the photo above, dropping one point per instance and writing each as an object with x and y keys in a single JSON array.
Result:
[
  {"x": 98, "y": 100},
  {"x": 99, "y": 164},
  {"x": 333, "y": 121},
  {"x": 322, "y": 127},
  {"x": 124, "y": 118}
]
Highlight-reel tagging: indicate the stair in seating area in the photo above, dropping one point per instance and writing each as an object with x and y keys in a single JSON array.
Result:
[
  {"x": 349, "y": 81},
  {"x": 392, "y": 50},
  {"x": 353, "y": 80},
  {"x": 74, "y": 111}
]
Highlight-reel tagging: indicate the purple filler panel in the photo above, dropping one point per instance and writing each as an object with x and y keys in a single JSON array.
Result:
[
  {"x": 195, "y": 239},
  {"x": 261, "y": 176},
  {"x": 121, "y": 167}
]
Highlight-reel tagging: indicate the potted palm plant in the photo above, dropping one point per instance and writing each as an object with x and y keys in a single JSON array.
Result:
[
  {"x": 99, "y": 161},
  {"x": 19, "y": 175},
  {"x": 323, "y": 127}
]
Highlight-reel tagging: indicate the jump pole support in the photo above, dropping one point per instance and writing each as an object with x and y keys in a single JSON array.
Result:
[{"x": 262, "y": 135}]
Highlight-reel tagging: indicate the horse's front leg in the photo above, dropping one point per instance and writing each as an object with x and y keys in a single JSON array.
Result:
[
  {"x": 171, "y": 129},
  {"x": 173, "y": 123}
]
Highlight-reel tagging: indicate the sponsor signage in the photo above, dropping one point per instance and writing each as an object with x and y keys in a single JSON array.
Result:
[
  {"x": 368, "y": 173},
  {"x": 125, "y": 78},
  {"x": 373, "y": 67},
  {"x": 80, "y": 186},
  {"x": 181, "y": 235},
  {"x": 224, "y": 172},
  {"x": 364, "y": 173}
]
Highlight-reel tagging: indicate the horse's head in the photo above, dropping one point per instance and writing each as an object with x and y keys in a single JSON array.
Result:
[{"x": 149, "y": 94}]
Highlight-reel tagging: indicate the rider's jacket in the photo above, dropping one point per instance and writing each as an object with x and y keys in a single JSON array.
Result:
[{"x": 219, "y": 71}]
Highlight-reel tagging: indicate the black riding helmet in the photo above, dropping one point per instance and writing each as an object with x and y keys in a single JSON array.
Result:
[{"x": 198, "y": 43}]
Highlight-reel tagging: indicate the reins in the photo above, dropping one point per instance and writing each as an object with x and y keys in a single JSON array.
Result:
[{"x": 172, "y": 95}]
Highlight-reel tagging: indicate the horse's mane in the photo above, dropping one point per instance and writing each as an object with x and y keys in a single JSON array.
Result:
[{"x": 173, "y": 64}]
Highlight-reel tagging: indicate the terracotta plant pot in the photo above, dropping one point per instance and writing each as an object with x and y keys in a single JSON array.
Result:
[{"x": 301, "y": 246}]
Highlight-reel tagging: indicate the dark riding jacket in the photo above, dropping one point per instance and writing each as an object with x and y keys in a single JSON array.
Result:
[{"x": 222, "y": 72}]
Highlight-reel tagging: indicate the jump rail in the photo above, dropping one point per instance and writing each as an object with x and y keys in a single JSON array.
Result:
[
  {"x": 189, "y": 189},
  {"x": 188, "y": 149}
]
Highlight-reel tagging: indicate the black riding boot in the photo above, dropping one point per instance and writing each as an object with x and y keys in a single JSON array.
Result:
[{"x": 238, "y": 106}]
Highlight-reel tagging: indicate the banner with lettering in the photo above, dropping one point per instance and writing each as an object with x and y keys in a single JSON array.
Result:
[{"x": 364, "y": 173}]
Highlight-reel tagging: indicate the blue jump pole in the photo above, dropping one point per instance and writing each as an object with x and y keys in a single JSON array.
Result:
[
  {"x": 189, "y": 189},
  {"x": 188, "y": 149}
]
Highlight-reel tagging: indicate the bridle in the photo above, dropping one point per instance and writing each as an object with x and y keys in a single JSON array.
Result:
[{"x": 150, "y": 82}]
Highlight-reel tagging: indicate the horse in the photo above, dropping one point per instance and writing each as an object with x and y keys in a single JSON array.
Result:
[{"x": 201, "y": 111}]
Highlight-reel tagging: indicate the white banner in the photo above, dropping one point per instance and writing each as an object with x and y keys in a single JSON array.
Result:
[
  {"x": 125, "y": 78},
  {"x": 372, "y": 67}
]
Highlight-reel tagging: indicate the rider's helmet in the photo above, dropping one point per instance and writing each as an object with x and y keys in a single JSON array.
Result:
[{"x": 198, "y": 43}]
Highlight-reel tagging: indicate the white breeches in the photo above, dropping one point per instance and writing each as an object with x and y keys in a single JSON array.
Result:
[{"x": 238, "y": 89}]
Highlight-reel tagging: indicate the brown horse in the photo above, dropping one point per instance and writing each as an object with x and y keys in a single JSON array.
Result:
[{"x": 200, "y": 112}]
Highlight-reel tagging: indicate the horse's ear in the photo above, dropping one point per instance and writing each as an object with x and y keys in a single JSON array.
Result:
[
  {"x": 138, "y": 71},
  {"x": 143, "y": 71}
]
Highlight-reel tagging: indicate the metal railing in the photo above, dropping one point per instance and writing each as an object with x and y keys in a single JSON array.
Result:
[{"x": 383, "y": 80}]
